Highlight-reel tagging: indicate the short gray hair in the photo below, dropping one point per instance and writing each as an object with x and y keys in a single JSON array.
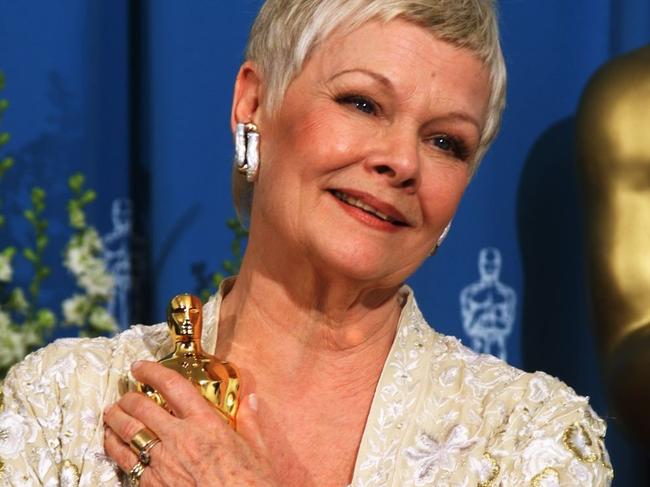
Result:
[{"x": 285, "y": 33}]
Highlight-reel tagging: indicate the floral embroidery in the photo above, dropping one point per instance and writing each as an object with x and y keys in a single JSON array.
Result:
[
  {"x": 549, "y": 477},
  {"x": 577, "y": 440},
  {"x": 430, "y": 455},
  {"x": 68, "y": 474},
  {"x": 604, "y": 458},
  {"x": 13, "y": 434},
  {"x": 438, "y": 408},
  {"x": 488, "y": 470}
]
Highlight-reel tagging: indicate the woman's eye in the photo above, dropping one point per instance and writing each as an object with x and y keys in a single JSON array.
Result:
[
  {"x": 361, "y": 103},
  {"x": 452, "y": 145},
  {"x": 442, "y": 142}
]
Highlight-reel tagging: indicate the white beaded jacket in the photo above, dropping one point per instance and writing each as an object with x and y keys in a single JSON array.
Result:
[{"x": 442, "y": 415}]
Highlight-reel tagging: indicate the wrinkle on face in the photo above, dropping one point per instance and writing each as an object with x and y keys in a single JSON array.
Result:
[{"x": 423, "y": 86}]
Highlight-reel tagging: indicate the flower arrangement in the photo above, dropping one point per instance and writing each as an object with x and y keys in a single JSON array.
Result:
[
  {"x": 83, "y": 259},
  {"x": 24, "y": 324}
]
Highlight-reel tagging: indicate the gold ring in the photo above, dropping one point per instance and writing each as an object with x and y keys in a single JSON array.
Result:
[
  {"x": 135, "y": 473},
  {"x": 143, "y": 441}
]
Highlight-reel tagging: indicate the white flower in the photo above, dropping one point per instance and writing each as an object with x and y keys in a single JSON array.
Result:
[
  {"x": 83, "y": 259},
  {"x": 98, "y": 284},
  {"x": 6, "y": 271},
  {"x": 75, "y": 258},
  {"x": 91, "y": 241},
  {"x": 75, "y": 309},
  {"x": 101, "y": 319},
  {"x": 12, "y": 343},
  {"x": 13, "y": 434}
]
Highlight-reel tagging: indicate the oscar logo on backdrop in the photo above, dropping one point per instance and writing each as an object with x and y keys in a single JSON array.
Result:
[
  {"x": 488, "y": 306},
  {"x": 118, "y": 260}
]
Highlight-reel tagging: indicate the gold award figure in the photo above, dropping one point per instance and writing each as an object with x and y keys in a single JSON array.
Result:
[
  {"x": 217, "y": 381},
  {"x": 614, "y": 165}
]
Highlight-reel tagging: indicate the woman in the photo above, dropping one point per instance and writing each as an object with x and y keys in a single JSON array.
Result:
[{"x": 372, "y": 117}]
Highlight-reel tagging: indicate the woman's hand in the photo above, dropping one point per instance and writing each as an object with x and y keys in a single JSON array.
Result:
[{"x": 197, "y": 446}]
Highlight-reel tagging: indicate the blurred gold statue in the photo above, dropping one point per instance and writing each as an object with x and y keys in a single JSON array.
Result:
[
  {"x": 614, "y": 162},
  {"x": 217, "y": 381}
]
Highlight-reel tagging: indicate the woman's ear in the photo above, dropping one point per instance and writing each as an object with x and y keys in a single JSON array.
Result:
[{"x": 248, "y": 91}]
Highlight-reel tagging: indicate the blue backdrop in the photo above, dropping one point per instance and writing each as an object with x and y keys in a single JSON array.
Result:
[{"x": 137, "y": 95}]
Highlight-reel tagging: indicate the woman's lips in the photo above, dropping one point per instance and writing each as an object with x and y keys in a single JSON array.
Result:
[{"x": 369, "y": 210}]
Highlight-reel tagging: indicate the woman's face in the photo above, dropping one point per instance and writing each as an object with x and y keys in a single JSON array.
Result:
[{"x": 365, "y": 161}]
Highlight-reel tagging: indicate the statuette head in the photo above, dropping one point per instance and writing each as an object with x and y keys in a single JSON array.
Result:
[{"x": 184, "y": 316}]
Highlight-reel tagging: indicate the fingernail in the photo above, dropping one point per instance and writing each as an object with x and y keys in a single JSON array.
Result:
[
  {"x": 136, "y": 365},
  {"x": 252, "y": 401}
]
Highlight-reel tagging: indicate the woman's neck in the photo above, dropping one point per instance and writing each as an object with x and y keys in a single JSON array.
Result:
[{"x": 318, "y": 332}]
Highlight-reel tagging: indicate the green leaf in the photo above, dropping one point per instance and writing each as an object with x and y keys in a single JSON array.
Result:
[
  {"x": 17, "y": 300},
  {"x": 30, "y": 215},
  {"x": 45, "y": 318},
  {"x": 30, "y": 255},
  {"x": 229, "y": 267},
  {"x": 41, "y": 242},
  {"x": 217, "y": 277},
  {"x": 241, "y": 233},
  {"x": 4, "y": 138},
  {"x": 88, "y": 197},
  {"x": 38, "y": 195},
  {"x": 4, "y": 104},
  {"x": 76, "y": 182},
  {"x": 5, "y": 165},
  {"x": 76, "y": 217},
  {"x": 34, "y": 288},
  {"x": 73, "y": 205},
  {"x": 9, "y": 252}
]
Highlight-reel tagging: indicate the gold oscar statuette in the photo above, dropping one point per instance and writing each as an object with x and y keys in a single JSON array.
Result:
[
  {"x": 217, "y": 381},
  {"x": 613, "y": 136}
]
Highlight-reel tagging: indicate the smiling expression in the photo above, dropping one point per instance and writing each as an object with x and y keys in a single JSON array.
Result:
[{"x": 365, "y": 160}]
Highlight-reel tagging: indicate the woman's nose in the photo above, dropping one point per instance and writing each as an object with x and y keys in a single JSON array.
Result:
[{"x": 399, "y": 163}]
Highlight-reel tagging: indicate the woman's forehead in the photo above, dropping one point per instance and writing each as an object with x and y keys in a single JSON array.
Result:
[{"x": 408, "y": 55}]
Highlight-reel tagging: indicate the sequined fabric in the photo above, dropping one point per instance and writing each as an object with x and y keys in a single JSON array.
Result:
[{"x": 442, "y": 415}]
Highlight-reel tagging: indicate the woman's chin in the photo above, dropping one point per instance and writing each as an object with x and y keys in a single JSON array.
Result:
[{"x": 363, "y": 263}]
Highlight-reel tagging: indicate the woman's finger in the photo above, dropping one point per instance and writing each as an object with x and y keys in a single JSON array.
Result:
[
  {"x": 148, "y": 412},
  {"x": 122, "y": 424},
  {"x": 126, "y": 459},
  {"x": 180, "y": 394},
  {"x": 248, "y": 425},
  {"x": 119, "y": 451}
]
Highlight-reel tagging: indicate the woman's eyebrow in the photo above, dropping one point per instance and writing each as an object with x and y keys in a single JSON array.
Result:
[
  {"x": 459, "y": 117},
  {"x": 455, "y": 116},
  {"x": 379, "y": 77}
]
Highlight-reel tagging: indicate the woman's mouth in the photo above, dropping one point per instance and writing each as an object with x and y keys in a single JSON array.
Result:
[{"x": 361, "y": 202}]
